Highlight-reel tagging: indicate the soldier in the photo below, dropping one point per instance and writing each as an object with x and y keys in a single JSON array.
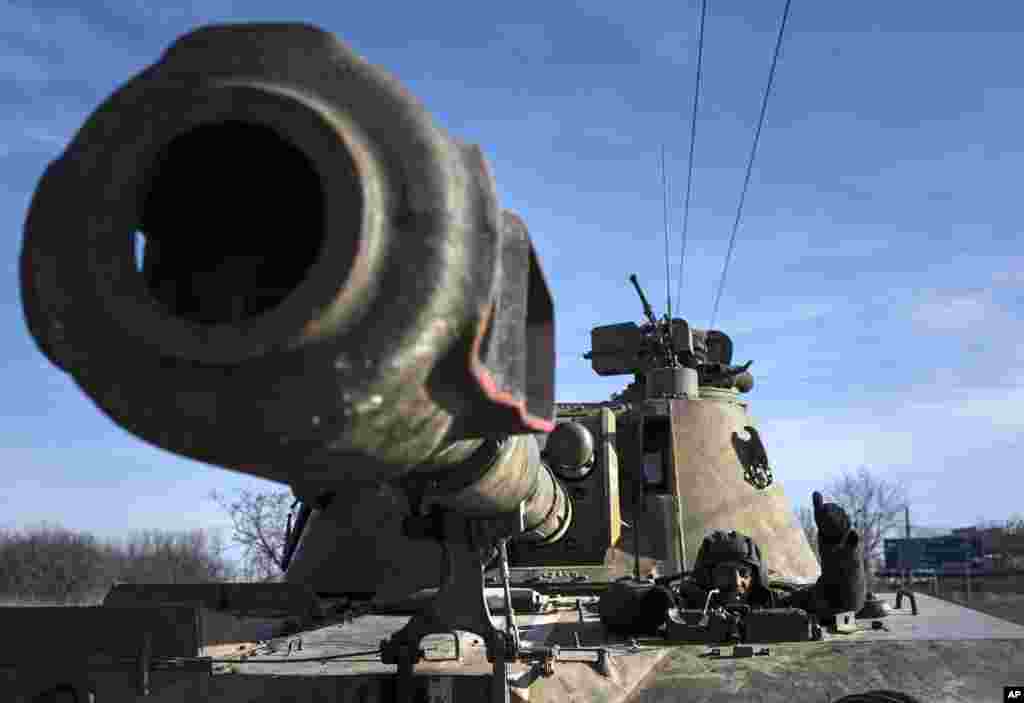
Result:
[{"x": 733, "y": 564}]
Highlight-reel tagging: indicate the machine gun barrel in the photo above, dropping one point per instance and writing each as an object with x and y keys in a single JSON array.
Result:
[
  {"x": 328, "y": 290},
  {"x": 648, "y": 311}
]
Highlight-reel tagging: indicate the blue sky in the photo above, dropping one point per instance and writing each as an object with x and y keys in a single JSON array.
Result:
[{"x": 878, "y": 277}]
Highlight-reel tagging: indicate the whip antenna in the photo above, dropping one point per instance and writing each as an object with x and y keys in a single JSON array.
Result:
[{"x": 664, "y": 203}]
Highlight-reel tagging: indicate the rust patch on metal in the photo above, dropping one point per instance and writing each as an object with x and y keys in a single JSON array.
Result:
[{"x": 504, "y": 402}]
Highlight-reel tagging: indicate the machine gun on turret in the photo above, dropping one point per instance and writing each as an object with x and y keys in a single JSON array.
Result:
[
  {"x": 658, "y": 333},
  {"x": 667, "y": 357}
]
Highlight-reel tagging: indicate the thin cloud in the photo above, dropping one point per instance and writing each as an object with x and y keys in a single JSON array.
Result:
[
  {"x": 23, "y": 67},
  {"x": 952, "y": 427},
  {"x": 955, "y": 312},
  {"x": 609, "y": 135},
  {"x": 21, "y": 135},
  {"x": 780, "y": 316},
  {"x": 998, "y": 407},
  {"x": 46, "y": 136},
  {"x": 528, "y": 41},
  {"x": 678, "y": 47},
  {"x": 1010, "y": 274},
  {"x": 946, "y": 444},
  {"x": 850, "y": 192},
  {"x": 808, "y": 447}
]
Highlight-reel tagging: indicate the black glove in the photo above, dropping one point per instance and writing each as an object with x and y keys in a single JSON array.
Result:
[
  {"x": 832, "y": 521},
  {"x": 842, "y": 586}
]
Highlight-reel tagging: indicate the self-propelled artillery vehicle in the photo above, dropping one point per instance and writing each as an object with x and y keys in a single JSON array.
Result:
[{"x": 329, "y": 296}]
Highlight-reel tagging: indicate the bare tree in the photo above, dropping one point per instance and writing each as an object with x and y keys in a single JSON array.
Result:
[
  {"x": 49, "y": 563},
  {"x": 259, "y": 524},
  {"x": 1014, "y": 545},
  {"x": 57, "y": 565},
  {"x": 875, "y": 507},
  {"x": 1003, "y": 539},
  {"x": 805, "y": 517},
  {"x": 156, "y": 556}
]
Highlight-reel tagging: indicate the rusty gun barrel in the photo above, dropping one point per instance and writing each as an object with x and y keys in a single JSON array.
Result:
[{"x": 261, "y": 253}]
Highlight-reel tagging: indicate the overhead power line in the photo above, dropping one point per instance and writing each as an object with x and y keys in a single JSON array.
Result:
[
  {"x": 750, "y": 164},
  {"x": 693, "y": 141}
]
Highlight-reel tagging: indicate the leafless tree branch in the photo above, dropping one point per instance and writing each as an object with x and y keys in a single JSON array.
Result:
[
  {"x": 259, "y": 522},
  {"x": 875, "y": 506},
  {"x": 805, "y": 518},
  {"x": 57, "y": 565}
]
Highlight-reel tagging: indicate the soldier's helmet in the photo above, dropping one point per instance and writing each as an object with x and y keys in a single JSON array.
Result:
[{"x": 721, "y": 546}]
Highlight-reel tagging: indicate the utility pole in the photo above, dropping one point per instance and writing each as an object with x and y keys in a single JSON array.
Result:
[
  {"x": 906, "y": 544},
  {"x": 967, "y": 576}
]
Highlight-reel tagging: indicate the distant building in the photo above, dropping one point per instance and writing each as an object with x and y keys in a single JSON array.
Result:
[
  {"x": 993, "y": 540},
  {"x": 949, "y": 552}
]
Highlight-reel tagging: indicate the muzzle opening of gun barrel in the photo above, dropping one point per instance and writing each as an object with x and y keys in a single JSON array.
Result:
[{"x": 234, "y": 217}]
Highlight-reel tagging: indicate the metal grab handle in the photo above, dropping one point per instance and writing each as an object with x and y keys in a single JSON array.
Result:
[
  {"x": 704, "y": 619},
  {"x": 899, "y": 600}
]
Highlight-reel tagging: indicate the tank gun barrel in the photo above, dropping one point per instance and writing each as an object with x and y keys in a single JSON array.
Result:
[{"x": 328, "y": 290}]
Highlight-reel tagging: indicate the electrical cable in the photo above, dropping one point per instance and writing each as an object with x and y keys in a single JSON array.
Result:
[
  {"x": 750, "y": 163},
  {"x": 693, "y": 141}
]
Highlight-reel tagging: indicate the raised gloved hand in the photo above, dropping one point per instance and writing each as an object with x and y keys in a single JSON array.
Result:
[
  {"x": 842, "y": 586},
  {"x": 832, "y": 521}
]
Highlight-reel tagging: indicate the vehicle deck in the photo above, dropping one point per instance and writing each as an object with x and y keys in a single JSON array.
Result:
[{"x": 945, "y": 653}]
